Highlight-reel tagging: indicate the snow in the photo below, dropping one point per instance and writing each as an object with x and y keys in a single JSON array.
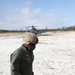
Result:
[{"x": 54, "y": 54}]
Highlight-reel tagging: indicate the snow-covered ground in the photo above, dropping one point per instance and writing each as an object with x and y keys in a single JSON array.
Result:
[{"x": 54, "y": 54}]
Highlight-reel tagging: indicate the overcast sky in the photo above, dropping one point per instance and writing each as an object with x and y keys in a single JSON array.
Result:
[{"x": 18, "y": 14}]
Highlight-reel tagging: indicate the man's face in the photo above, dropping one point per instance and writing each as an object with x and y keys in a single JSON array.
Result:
[{"x": 31, "y": 47}]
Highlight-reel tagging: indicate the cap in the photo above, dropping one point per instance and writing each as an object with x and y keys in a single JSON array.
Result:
[{"x": 30, "y": 38}]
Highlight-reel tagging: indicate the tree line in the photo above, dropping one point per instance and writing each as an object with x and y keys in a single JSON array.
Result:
[{"x": 70, "y": 28}]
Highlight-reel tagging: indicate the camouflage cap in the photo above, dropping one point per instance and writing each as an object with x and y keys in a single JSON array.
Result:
[{"x": 30, "y": 38}]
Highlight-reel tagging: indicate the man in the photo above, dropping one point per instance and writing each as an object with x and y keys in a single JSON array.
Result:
[{"x": 22, "y": 58}]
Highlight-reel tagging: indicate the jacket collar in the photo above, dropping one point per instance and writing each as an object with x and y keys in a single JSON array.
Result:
[{"x": 25, "y": 49}]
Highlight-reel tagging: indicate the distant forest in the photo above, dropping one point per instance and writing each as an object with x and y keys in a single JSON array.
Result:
[{"x": 71, "y": 28}]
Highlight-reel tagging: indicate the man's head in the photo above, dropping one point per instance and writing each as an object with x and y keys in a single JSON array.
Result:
[{"x": 30, "y": 40}]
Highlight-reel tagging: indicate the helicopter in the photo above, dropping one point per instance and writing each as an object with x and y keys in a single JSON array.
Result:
[{"x": 33, "y": 29}]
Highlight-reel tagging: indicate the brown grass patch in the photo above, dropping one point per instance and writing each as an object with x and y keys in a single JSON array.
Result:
[{"x": 11, "y": 33}]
